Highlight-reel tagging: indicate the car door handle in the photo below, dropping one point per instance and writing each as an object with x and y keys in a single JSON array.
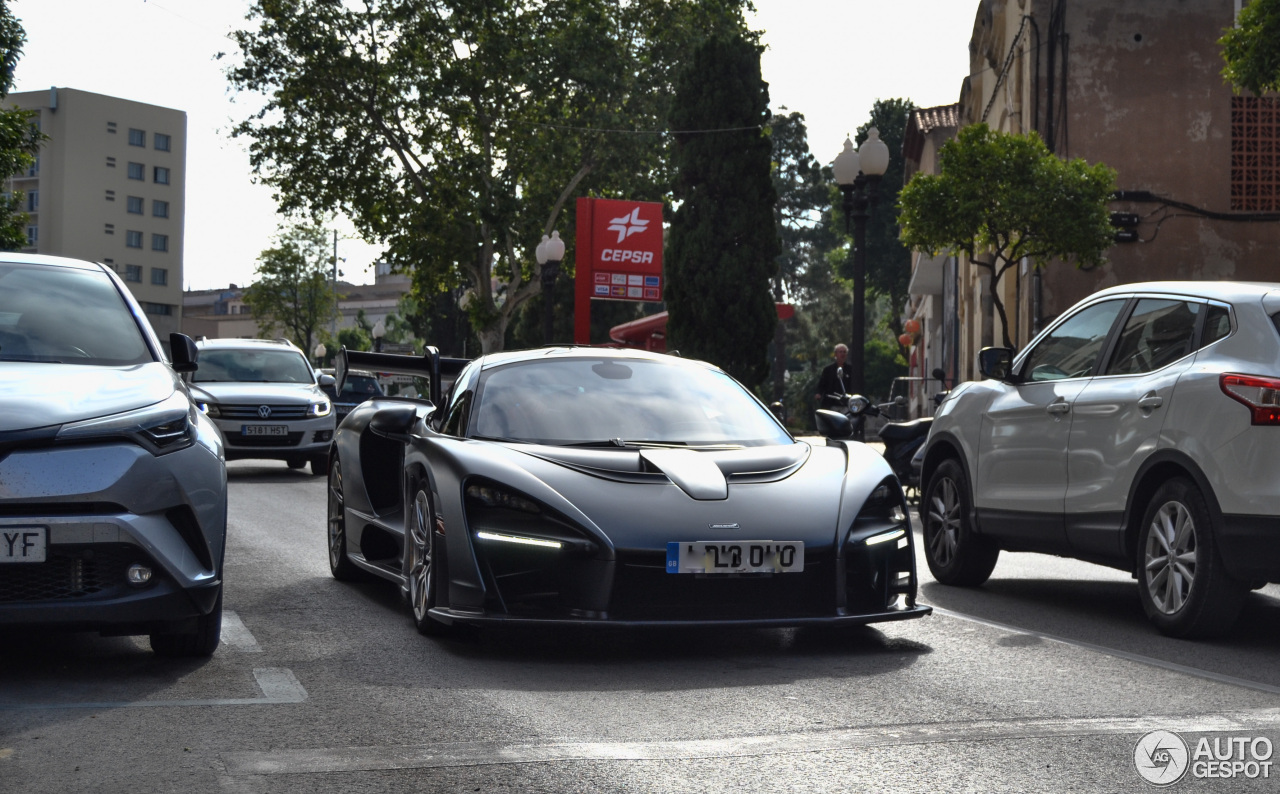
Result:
[
  {"x": 1058, "y": 408},
  {"x": 1150, "y": 401}
]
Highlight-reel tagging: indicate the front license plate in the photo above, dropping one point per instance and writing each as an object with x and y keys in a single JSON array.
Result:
[
  {"x": 742, "y": 556},
  {"x": 23, "y": 544},
  {"x": 264, "y": 430}
]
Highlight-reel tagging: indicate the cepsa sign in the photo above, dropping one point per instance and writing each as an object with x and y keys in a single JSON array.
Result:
[{"x": 619, "y": 255}]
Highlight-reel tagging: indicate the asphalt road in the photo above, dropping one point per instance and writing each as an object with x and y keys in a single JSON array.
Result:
[{"x": 1045, "y": 679}]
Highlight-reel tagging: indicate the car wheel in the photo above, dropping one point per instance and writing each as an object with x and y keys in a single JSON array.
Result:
[
  {"x": 340, "y": 565},
  {"x": 202, "y": 642},
  {"x": 1184, "y": 587},
  {"x": 956, "y": 556},
  {"x": 419, "y": 562},
  {"x": 319, "y": 465},
  {"x": 296, "y": 463}
]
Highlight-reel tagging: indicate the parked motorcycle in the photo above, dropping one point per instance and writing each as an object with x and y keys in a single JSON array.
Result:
[{"x": 902, "y": 440}]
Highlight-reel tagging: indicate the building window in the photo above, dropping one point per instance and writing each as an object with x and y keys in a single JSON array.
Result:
[
  {"x": 135, "y": 205},
  {"x": 34, "y": 170},
  {"x": 111, "y": 127},
  {"x": 159, "y": 209},
  {"x": 110, "y": 228},
  {"x": 111, "y": 195},
  {"x": 159, "y": 276},
  {"x": 162, "y": 142},
  {"x": 133, "y": 273},
  {"x": 133, "y": 239},
  {"x": 111, "y": 162},
  {"x": 137, "y": 171},
  {"x": 33, "y": 236},
  {"x": 1255, "y": 154},
  {"x": 161, "y": 175},
  {"x": 157, "y": 308},
  {"x": 137, "y": 138},
  {"x": 33, "y": 200},
  {"x": 159, "y": 242}
]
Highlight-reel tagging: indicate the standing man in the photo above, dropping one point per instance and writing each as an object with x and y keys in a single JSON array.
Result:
[{"x": 833, "y": 379}]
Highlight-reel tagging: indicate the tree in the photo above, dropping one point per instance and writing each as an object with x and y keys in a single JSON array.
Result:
[
  {"x": 724, "y": 245},
  {"x": 1251, "y": 49},
  {"x": 1000, "y": 197},
  {"x": 292, "y": 291},
  {"x": 455, "y": 131},
  {"x": 20, "y": 139}
]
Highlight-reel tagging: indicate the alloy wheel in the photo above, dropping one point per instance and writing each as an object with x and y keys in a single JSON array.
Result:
[
  {"x": 1170, "y": 557},
  {"x": 944, "y": 520},
  {"x": 337, "y": 522},
  {"x": 420, "y": 563}
]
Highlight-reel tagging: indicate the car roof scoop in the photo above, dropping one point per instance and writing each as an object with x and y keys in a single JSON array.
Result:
[{"x": 696, "y": 473}]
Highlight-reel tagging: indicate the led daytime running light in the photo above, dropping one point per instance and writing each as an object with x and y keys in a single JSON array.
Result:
[
  {"x": 520, "y": 540},
  {"x": 885, "y": 537}
]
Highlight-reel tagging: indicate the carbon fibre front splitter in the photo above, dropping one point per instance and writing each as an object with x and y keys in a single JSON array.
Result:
[{"x": 451, "y": 616}]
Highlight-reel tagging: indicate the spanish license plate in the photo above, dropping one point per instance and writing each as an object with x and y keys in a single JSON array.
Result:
[
  {"x": 742, "y": 556},
  {"x": 23, "y": 544},
  {"x": 264, "y": 430}
]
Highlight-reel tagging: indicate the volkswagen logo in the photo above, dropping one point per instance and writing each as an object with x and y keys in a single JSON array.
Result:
[{"x": 264, "y": 411}]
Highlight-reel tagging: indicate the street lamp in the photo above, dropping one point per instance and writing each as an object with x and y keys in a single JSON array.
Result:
[
  {"x": 858, "y": 175},
  {"x": 379, "y": 331},
  {"x": 549, "y": 253},
  {"x": 319, "y": 352}
]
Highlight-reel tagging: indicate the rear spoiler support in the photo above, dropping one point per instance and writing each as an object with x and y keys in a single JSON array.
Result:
[{"x": 430, "y": 365}]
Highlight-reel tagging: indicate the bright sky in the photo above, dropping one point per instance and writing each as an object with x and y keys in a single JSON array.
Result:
[{"x": 828, "y": 59}]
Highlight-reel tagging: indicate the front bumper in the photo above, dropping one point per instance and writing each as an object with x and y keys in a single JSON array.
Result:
[
  {"x": 451, "y": 616},
  {"x": 305, "y": 438}
]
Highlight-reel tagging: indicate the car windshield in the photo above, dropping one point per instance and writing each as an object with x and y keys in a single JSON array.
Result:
[
  {"x": 613, "y": 402},
  {"x": 66, "y": 315},
  {"x": 252, "y": 366},
  {"x": 358, "y": 388}
]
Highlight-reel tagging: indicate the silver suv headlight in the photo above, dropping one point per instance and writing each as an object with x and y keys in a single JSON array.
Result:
[
  {"x": 166, "y": 426},
  {"x": 320, "y": 408}
]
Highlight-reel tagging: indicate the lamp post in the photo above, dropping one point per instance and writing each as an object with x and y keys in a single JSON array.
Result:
[
  {"x": 319, "y": 353},
  {"x": 379, "y": 331},
  {"x": 858, "y": 175},
  {"x": 549, "y": 253}
]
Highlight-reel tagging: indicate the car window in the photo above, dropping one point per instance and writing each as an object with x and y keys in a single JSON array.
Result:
[
  {"x": 252, "y": 366},
  {"x": 1217, "y": 325},
  {"x": 1157, "y": 333},
  {"x": 455, "y": 424},
  {"x": 360, "y": 387},
  {"x": 67, "y": 315},
  {"x": 1071, "y": 349},
  {"x": 585, "y": 401}
]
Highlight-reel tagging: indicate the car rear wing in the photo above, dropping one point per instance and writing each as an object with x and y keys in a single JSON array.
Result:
[{"x": 430, "y": 365}]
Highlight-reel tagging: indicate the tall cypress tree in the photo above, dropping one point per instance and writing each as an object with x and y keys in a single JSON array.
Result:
[{"x": 724, "y": 244}]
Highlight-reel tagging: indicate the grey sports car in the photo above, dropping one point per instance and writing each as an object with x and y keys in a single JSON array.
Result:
[
  {"x": 591, "y": 486},
  {"x": 113, "y": 487}
]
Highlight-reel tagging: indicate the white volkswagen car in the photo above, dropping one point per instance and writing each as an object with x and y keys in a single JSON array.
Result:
[{"x": 1141, "y": 431}]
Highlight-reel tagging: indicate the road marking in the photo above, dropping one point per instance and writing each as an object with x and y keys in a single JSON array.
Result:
[
  {"x": 277, "y": 684},
  {"x": 1132, "y": 657},
  {"x": 236, "y": 635},
  {"x": 359, "y": 759}
]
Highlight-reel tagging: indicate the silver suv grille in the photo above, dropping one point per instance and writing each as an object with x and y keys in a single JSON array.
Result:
[{"x": 282, "y": 413}]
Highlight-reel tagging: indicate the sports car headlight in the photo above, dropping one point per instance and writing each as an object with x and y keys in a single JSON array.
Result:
[
  {"x": 164, "y": 427},
  {"x": 500, "y": 516},
  {"x": 320, "y": 408}
]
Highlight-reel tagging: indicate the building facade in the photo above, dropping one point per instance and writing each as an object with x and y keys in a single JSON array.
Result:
[
  {"x": 109, "y": 186},
  {"x": 1138, "y": 86}
]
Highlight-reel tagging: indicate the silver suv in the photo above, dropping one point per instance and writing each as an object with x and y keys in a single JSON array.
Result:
[
  {"x": 265, "y": 398},
  {"x": 1141, "y": 430}
]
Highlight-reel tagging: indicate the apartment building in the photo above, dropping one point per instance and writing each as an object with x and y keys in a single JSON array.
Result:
[{"x": 109, "y": 186}]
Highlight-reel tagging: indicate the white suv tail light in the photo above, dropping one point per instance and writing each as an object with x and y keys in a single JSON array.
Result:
[{"x": 1261, "y": 395}]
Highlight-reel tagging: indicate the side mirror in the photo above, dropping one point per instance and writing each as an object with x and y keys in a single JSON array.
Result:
[
  {"x": 899, "y": 400},
  {"x": 183, "y": 352},
  {"x": 995, "y": 362},
  {"x": 833, "y": 424},
  {"x": 325, "y": 379},
  {"x": 395, "y": 420},
  {"x": 939, "y": 374}
]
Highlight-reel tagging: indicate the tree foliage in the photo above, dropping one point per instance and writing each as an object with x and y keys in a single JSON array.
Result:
[
  {"x": 292, "y": 293},
  {"x": 1251, "y": 49},
  {"x": 888, "y": 260},
  {"x": 723, "y": 249},
  {"x": 454, "y": 132},
  {"x": 20, "y": 139},
  {"x": 999, "y": 197}
]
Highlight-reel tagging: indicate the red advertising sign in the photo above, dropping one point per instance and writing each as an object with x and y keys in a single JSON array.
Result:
[{"x": 618, "y": 256}]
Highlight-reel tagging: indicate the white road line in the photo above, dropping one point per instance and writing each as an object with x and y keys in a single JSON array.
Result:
[
  {"x": 236, "y": 635},
  {"x": 357, "y": 759},
  {"x": 1132, "y": 657},
  {"x": 277, "y": 684}
]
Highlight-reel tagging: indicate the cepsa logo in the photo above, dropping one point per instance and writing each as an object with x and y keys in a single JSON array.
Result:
[{"x": 627, "y": 235}]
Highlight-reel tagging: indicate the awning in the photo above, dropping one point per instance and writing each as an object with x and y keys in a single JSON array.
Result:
[{"x": 926, "y": 279}]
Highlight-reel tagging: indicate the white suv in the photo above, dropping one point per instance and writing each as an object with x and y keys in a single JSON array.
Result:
[
  {"x": 265, "y": 398},
  {"x": 1141, "y": 430}
]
